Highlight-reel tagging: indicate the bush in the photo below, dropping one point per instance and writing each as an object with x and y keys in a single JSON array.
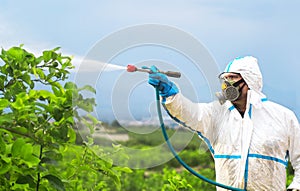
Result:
[{"x": 38, "y": 126}]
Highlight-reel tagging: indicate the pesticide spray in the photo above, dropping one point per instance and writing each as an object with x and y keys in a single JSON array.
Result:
[{"x": 112, "y": 67}]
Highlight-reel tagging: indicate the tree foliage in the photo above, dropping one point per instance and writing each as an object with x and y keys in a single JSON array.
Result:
[{"x": 39, "y": 111}]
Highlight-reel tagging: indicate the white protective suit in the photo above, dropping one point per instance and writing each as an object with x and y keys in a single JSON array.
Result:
[{"x": 251, "y": 152}]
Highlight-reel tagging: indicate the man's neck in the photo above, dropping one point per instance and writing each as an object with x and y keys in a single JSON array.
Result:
[{"x": 240, "y": 105}]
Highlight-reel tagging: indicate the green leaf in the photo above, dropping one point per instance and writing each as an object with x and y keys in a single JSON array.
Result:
[
  {"x": 45, "y": 94},
  {"x": 88, "y": 88},
  {"x": 71, "y": 135},
  {"x": 15, "y": 88},
  {"x": 87, "y": 104},
  {"x": 26, "y": 180},
  {"x": 17, "y": 53},
  {"x": 56, "y": 91},
  {"x": 52, "y": 72},
  {"x": 48, "y": 160},
  {"x": 27, "y": 150},
  {"x": 18, "y": 104},
  {"x": 30, "y": 58},
  {"x": 94, "y": 119},
  {"x": 89, "y": 142},
  {"x": 123, "y": 169},
  {"x": 55, "y": 182},
  {"x": 7, "y": 118},
  {"x": 27, "y": 79},
  {"x": 54, "y": 155},
  {"x": 89, "y": 125},
  {"x": 2, "y": 80},
  {"x": 34, "y": 72},
  {"x": 47, "y": 55},
  {"x": 33, "y": 94},
  {"x": 23, "y": 150},
  {"x": 31, "y": 160},
  {"x": 55, "y": 64},
  {"x": 115, "y": 178},
  {"x": 57, "y": 114},
  {"x": 22, "y": 95},
  {"x": 21, "y": 129},
  {"x": 4, "y": 167},
  {"x": 40, "y": 73},
  {"x": 2, "y": 145},
  {"x": 8, "y": 70},
  {"x": 16, "y": 149},
  {"x": 3, "y": 103},
  {"x": 72, "y": 94},
  {"x": 70, "y": 85},
  {"x": 55, "y": 49}
]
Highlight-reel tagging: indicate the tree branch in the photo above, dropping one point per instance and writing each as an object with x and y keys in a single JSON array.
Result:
[{"x": 20, "y": 133}]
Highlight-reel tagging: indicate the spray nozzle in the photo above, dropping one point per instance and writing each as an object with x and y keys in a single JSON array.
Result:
[{"x": 132, "y": 68}]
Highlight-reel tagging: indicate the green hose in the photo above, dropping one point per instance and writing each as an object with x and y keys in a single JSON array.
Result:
[{"x": 176, "y": 155}]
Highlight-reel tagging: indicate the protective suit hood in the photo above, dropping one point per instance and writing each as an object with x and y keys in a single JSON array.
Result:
[{"x": 248, "y": 68}]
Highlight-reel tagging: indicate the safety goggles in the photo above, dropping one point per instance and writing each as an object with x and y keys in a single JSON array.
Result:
[{"x": 230, "y": 76}]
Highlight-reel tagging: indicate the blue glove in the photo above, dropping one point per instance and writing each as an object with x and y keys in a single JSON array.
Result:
[{"x": 158, "y": 80}]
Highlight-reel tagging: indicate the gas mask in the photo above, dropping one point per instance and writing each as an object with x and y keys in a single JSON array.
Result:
[{"x": 230, "y": 90}]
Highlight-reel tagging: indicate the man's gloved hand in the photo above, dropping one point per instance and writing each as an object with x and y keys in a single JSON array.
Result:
[{"x": 158, "y": 80}]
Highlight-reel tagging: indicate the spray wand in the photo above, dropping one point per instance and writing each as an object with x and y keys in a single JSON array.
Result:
[{"x": 132, "y": 68}]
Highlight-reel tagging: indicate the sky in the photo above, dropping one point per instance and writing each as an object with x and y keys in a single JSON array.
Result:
[{"x": 93, "y": 29}]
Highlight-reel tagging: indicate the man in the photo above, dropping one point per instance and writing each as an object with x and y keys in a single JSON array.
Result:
[{"x": 250, "y": 137}]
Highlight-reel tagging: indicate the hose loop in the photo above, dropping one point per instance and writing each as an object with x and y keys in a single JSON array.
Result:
[{"x": 164, "y": 132}]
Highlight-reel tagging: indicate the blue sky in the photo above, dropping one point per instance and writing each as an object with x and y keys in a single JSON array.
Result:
[{"x": 268, "y": 30}]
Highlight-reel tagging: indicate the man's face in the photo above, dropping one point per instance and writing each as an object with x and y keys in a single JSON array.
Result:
[{"x": 232, "y": 78}]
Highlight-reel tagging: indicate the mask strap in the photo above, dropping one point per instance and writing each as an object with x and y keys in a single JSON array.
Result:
[
  {"x": 238, "y": 83},
  {"x": 242, "y": 87}
]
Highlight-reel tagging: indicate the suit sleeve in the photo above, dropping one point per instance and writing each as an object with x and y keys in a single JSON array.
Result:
[{"x": 196, "y": 116}]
